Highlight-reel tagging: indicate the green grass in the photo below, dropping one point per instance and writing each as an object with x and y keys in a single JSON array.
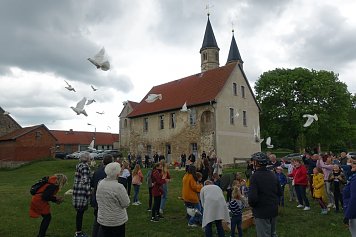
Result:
[{"x": 15, "y": 200}]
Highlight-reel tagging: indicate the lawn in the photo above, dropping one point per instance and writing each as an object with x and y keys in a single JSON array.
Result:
[{"x": 15, "y": 199}]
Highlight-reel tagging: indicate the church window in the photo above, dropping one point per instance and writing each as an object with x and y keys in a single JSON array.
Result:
[
  {"x": 234, "y": 88},
  {"x": 192, "y": 117},
  {"x": 145, "y": 124},
  {"x": 161, "y": 121},
  {"x": 205, "y": 56},
  {"x": 232, "y": 116},
  {"x": 125, "y": 123},
  {"x": 172, "y": 120},
  {"x": 194, "y": 147},
  {"x": 244, "y": 118},
  {"x": 243, "y": 92}
]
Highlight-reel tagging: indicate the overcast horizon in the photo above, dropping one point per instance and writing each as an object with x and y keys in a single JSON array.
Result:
[{"x": 153, "y": 42}]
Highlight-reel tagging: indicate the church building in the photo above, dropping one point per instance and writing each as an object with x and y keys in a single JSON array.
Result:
[{"x": 221, "y": 111}]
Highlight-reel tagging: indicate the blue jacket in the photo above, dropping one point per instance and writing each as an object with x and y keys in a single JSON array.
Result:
[
  {"x": 282, "y": 179},
  {"x": 349, "y": 196}
]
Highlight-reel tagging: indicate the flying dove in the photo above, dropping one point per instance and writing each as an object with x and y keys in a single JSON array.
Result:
[
  {"x": 185, "y": 108},
  {"x": 91, "y": 145},
  {"x": 69, "y": 87},
  {"x": 256, "y": 135},
  {"x": 268, "y": 143},
  {"x": 79, "y": 109},
  {"x": 100, "y": 60},
  {"x": 310, "y": 120},
  {"x": 153, "y": 97},
  {"x": 101, "y": 113},
  {"x": 94, "y": 89},
  {"x": 90, "y": 102}
]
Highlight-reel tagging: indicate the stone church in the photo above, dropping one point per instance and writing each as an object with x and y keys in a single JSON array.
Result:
[{"x": 222, "y": 112}]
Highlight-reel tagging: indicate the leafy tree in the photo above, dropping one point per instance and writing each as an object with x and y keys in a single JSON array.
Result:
[{"x": 286, "y": 94}]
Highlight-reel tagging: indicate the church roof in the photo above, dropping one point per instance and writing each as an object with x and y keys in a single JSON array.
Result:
[
  {"x": 196, "y": 89},
  {"x": 234, "y": 53},
  {"x": 209, "y": 37}
]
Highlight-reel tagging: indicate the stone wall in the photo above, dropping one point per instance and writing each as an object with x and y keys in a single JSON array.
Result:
[{"x": 7, "y": 124}]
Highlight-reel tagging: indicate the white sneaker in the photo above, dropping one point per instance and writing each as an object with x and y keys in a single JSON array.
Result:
[
  {"x": 300, "y": 206},
  {"x": 192, "y": 225},
  {"x": 138, "y": 203},
  {"x": 135, "y": 204},
  {"x": 306, "y": 209},
  {"x": 330, "y": 205}
]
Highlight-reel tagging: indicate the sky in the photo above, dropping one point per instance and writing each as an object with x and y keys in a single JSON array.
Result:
[{"x": 150, "y": 42}]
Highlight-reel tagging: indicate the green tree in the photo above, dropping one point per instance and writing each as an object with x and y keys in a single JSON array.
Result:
[{"x": 286, "y": 94}]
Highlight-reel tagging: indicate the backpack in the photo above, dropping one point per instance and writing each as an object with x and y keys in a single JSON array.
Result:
[{"x": 34, "y": 188}]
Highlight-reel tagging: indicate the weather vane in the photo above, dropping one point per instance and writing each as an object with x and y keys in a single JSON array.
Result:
[{"x": 208, "y": 7}]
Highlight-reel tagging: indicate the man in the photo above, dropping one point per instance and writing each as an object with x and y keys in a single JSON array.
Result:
[
  {"x": 155, "y": 158},
  {"x": 191, "y": 158},
  {"x": 263, "y": 196},
  {"x": 226, "y": 181},
  {"x": 310, "y": 162},
  {"x": 98, "y": 175},
  {"x": 343, "y": 158},
  {"x": 273, "y": 162}
]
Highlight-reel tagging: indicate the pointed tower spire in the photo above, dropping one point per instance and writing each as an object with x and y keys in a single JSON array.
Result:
[
  {"x": 209, "y": 50},
  {"x": 234, "y": 53}
]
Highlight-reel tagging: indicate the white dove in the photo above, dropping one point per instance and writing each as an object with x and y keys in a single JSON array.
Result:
[
  {"x": 310, "y": 120},
  {"x": 79, "y": 109},
  {"x": 94, "y": 89},
  {"x": 268, "y": 143},
  {"x": 237, "y": 114},
  {"x": 101, "y": 113},
  {"x": 185, "y": 108},
  {"x": 108, "y": 128},
  {"x": 100, "y": 60},
  {"x": 256, "y": 135},
  {"x": 91, "y": 145},
  {"x": 69, "y": 87},
  {"x": 153, "y": 97},
  {"x": 6, "y": 113},
  {"x": 90, "y": 101}
]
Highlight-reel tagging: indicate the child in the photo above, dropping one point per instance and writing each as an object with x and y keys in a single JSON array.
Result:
[
  {"x": 319, "y": 190},
  {"x": 235, "y": 206},
  {"x": 124, "y": 174},
  {"x": 137, "y": 181},
  {"x": 282, "y": 181},
  {"x": 216, "y": 179},
  {"x": 167, "y": 177},
  {"x": 337, "y": 182}
]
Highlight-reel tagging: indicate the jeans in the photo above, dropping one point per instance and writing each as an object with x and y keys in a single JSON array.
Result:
[
  {"x": 301, "y": 194},
  {"x": 164, "y": 197},
  {"x": 236, "y": 221},
  {"x": 44, "y": 225},
  {"x": 281, "y": 198},
  {"x": 136, "y": 191},
  {"x": 292, "y": 193},
  {"x": 266, "y": 227},
  {"x": 328, "y": 192},
  {"x": 112, "y": 231},
  {"x": 219, "y": 228},
  {"x": 197, "y": 218}
]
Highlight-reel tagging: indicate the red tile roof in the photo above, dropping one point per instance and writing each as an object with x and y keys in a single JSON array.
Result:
[
  {"x": 195, "y": 89},
  {"x": 20, "y": 132},
  {"x": 79, "y": 137},
  {"x": 133, "y": 104}
]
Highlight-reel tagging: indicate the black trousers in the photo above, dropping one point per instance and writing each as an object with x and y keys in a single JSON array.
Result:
[
  {"x": 150, "y": 197},
  {"x": 156, "y": 205},
  {"x": 79, "y": 219},
  {"x": 46, "y": 219},
  {"x": 338, "y": 198},
  {"x": 112, "y": 231}
]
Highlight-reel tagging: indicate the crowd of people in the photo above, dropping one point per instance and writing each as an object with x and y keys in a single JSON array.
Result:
[{"x": 330, "y": 179}]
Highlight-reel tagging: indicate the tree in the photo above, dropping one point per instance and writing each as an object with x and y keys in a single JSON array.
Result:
[{"x": 286, "y": 94}]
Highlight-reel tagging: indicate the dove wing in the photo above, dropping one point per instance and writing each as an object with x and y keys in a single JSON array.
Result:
[
  {"x": 81, "y": 104},
  {"x": 308, "y": 122},
  {"x": 99, "y": 57},
  {"x": 67, "y": 83},
  {"x": 184, "y": 107},
  {"x": 105, "y": 66},
  {"x": 91, "y": 146},
  {"x": 315, "y": 117},
  {"x": 268, "y": 141}
]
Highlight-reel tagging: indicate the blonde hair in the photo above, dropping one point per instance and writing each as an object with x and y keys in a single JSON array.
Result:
[
  {"x": 125, "y": 164},
  {"x": 136, "y": 169},
  {"x": 61, "y": 180},
  {"x": 236, "y": 194},
  {"x": 164, "y": 167}
]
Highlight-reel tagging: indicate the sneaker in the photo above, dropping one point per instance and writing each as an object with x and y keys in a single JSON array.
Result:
[
  {"x": 324, "y": 211},
  {"x": 330, "y": 205},
  {"x": 138, "y": 203},
  {"x": 306, "y": 209},
  {"x": 154, "y": 219},
  {"x": 149, "y": 209},
  {"x": 135, "y": 204},
  {"x": 81, "y": 234},
  {"x": 300, "y": 206},
  {"x": 192, "y": 225}
]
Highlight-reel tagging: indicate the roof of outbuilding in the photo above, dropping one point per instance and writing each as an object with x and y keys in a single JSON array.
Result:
[
  {"x": 80, "y": 137},
  {"x": 196, "y": 89},
  {"x": 22, "y": 131}
]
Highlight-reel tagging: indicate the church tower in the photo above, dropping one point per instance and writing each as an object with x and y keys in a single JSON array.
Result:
[
  {"x": 209, "y": 52},
  {"x": 234, "y": 53}
]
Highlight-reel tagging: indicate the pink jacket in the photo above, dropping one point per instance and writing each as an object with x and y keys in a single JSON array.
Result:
[{"x": 327, "y": 169}]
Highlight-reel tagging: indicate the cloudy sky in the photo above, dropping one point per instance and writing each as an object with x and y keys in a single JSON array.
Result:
[{"x": 150, "y": 42}]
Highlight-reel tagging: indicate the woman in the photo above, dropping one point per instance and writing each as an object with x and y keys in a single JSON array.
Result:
[
  {"x": 190, "y": 192},
  {"x": 124, "y": 176},
  {"x": 300, "y": 179},
  {"x": 157, "y": 190},
  {"x": 40, "y": 201},
  {"x": 81, "y": 191},
  {"x": 137, "y": 181},
  {"x": 167, "y": 178},
  {"x": 112, "y": 201},
  {"x": 349, "y": 196},
  {"x": 327, "y": 168}
]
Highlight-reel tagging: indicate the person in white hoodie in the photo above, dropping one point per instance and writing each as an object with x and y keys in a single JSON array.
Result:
[
  {"x": 215, "y": 208},
  {"x": 112, "y": 201}
]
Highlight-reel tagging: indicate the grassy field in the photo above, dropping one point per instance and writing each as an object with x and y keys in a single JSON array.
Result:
[{"x": 15, "y": 199}]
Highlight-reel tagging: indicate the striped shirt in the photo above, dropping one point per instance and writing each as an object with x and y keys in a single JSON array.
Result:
[{"x": 236, "y": 206}]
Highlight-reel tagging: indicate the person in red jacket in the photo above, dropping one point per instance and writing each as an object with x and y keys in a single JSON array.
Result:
[
  {"x": 300, "y": 179},
  {"x": 157, "y": 190},
  {"x": 40, "y": 201}
]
